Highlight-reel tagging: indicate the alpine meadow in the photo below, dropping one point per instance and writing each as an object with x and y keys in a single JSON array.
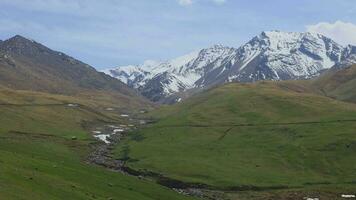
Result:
[{"x": 177, "y": 100}]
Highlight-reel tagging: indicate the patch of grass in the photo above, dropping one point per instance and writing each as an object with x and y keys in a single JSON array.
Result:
[
  {"x": 339, "y": 84},
  {"x": 39, "y": 159},
  {"x": 51, "y": 168},
  {"x": 136, "y": 136},
  {"x": 251, "y": 135}
]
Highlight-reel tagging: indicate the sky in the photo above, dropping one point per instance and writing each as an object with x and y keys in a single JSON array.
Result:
[{"x": 110, "y": 33}]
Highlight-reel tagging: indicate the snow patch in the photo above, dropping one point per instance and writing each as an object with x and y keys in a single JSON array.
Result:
[{"x": 103, "y": 137}]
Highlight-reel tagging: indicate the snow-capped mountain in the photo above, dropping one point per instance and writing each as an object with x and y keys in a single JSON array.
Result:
[
  {"x": 271, "y": 55},
  {"x": 161, "y": 79}
]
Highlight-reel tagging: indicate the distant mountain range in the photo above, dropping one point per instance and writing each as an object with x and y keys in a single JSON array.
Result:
[
  {"x": 28, "y": 65},
  {"x": 271, "y": 55}
]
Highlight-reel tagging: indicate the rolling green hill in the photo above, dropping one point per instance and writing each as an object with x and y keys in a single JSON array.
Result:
[
  {"x": 286, "y": 136},
  {"x": 256, "y": 136},
  {"x": 338, "y": 83},
  {"x": 40, "y": 160}
]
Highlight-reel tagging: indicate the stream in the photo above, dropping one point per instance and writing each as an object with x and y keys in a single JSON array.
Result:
[{"x": 110, "y": 136}]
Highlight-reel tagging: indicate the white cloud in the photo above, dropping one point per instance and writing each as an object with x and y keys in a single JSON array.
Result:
[
  {"x": 185, "y": 2},
  {"x": 342, "y": 32}
]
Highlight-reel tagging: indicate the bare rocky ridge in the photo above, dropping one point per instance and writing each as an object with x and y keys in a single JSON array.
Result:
[
  {"x": 28, "y": 65},
  {"x": 271, "y": 55}
]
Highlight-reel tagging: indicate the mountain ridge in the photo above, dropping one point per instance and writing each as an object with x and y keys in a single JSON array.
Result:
[
  {"x": 29, "y": 65},
  {"x": 272, "y": 55},
  {"x": 338, "y": 83}
]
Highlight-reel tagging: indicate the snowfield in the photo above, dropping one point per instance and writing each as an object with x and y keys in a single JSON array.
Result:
[{"x": 272, "y": 55}]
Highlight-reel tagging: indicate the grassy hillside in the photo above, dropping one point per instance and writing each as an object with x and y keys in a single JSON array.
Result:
[
  {"x": 39, "y": 159},
  {"x": 28, "y": 65},
  {"x": 249, "y": 136},
  {"x": 339, "y": 84}
]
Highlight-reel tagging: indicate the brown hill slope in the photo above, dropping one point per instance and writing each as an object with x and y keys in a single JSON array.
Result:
[
  {"x": 338, "y": 83},
  {"x": 28, "y": 65}
]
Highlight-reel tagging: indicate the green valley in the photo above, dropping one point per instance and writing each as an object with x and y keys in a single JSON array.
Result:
[
  {"x": 249, "y": 137},
  {"x": 44, "y": 145},
  {"x": 272, "y": 119}
]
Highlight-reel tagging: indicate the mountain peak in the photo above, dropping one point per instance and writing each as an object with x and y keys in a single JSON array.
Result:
[
  {"x": 280, "y": 34},
  {"x": 28, "y": 65},
  {"x": 275, "y": 34},
  {"x": 22, "y": 45},
  {"x": 22, "y": 39},
  {"x": 271, "y": 32},
  {"x": 272, "y": 55},
  {"x": 218, "y": 46}
]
